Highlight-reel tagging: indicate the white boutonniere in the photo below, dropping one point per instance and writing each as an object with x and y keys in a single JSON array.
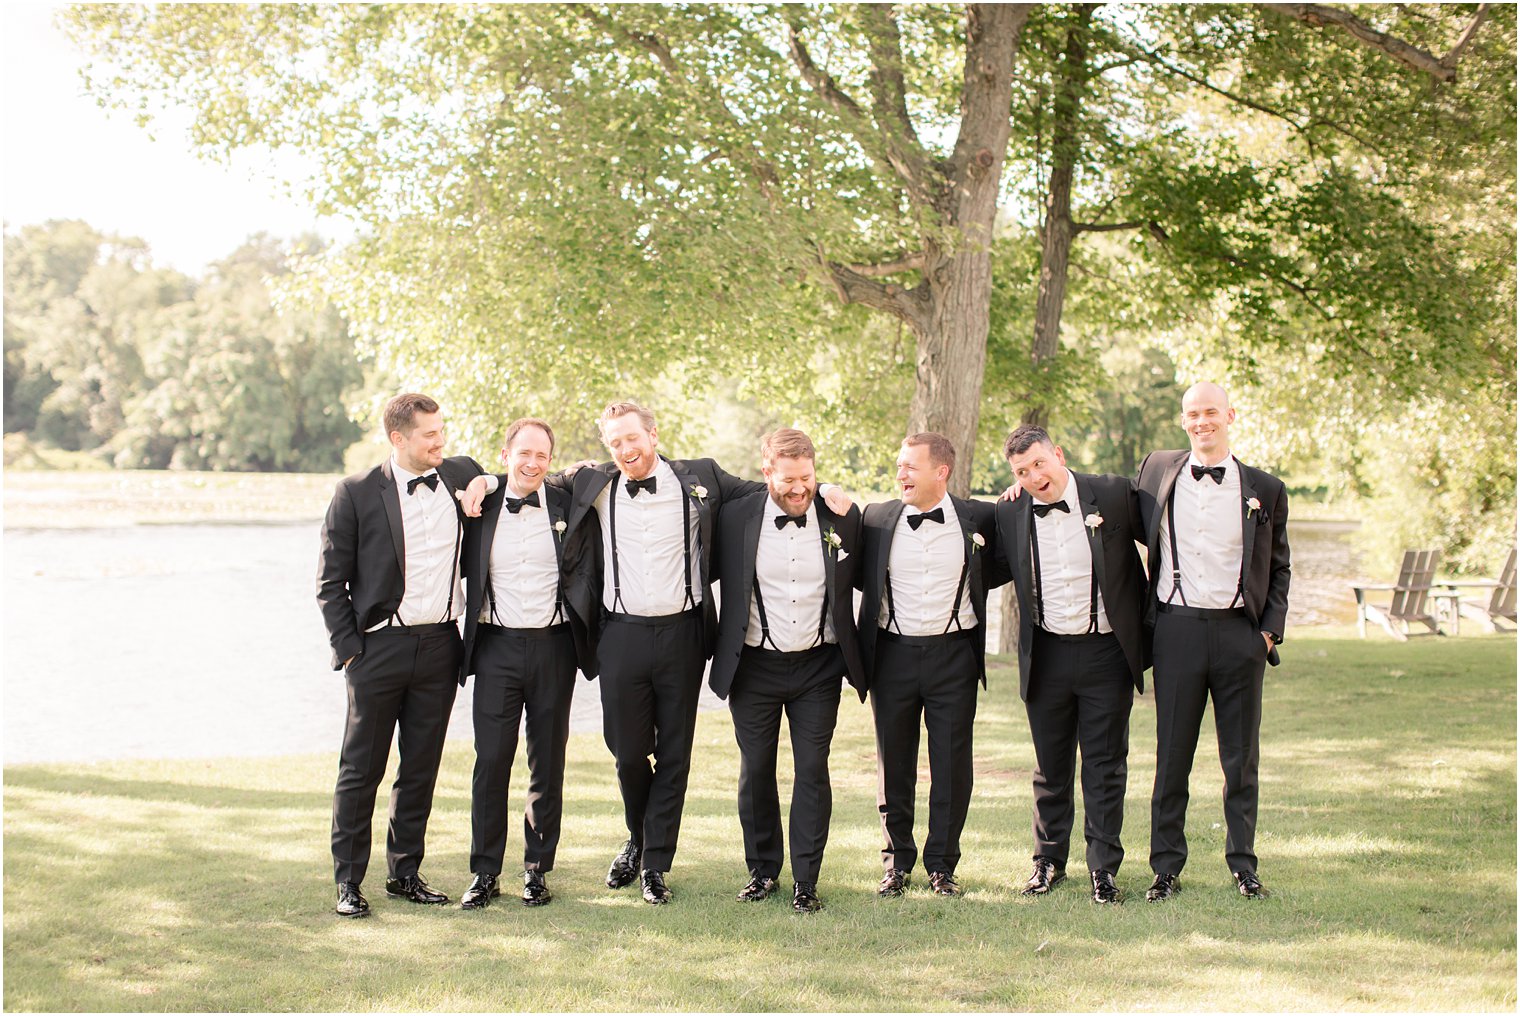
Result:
[
  {"x": 559, "y": 527},
  {"x": 832, "y": 538},
  {"x": 1093, "y": 521},
  {"x": 1252, "y": 507},
  {"x": 699, "y": 492},
  {"x": 978, "y": 541}
]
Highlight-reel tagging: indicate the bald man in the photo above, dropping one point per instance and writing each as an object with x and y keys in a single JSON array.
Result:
[{"x": 1217, "y": 530}]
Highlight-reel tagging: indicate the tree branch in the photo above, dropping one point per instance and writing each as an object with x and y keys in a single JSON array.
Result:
[
  {"x": 1455, "y": 53},
  {"x": 853, "y": 287},
  {"x": 1320, "y": 15},
  {"x": 1108, "y": 227},
  {"x": 889, "y": 94},
  {"x": 902, "y": 263},
  {"x": 818, "y": 79}
]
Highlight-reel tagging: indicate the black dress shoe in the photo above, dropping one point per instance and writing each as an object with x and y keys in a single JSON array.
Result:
[
  {"x": 483, "y": 889},
  {"x": 805, "y": 898},
  {"x": 942, "y": 883},
  {"x": 535, "y": 892},
  {"x": 625, "y": 866},
  {"x": 1163, "y": 888},
  {"x": 1250, "y": 886},
  {"x": 413, "y": 888},
  {"x": 893, "y": 883},
  {"x": 351, "y": 902},
  {"x": 1103, "y": 888},
  {"x": 758, "y": 889},
  {"x": 1045, "y": 877},
  {"x": 654, "y": 887}
]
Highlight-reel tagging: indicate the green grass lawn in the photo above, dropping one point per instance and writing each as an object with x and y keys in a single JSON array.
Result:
[{"x": 1387, "y": 834}]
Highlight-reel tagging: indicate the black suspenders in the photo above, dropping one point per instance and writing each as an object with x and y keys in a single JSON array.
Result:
[
  {"x": 559, "y": 583},
  {"x": 448, "y": 610},
  {"x": 823, "y": 613},
  {"x": 960, "y": 586},
  {"x": 1039, "y": 586},
  {"x": 1171, "y": 529},
  {"x": 617, "y": 580}
]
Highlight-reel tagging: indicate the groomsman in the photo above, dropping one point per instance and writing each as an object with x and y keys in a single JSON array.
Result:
[
  {"x": 518, "y": 645},
  {"x": 388, "y": 585},
  {"x": 786, "y": 636},
  {"x": 1068, "y": 543},
  {"x": 1218, "y": 536},
  {"x": 922, "y": 631},
  {"x": 638, "y": 563}
]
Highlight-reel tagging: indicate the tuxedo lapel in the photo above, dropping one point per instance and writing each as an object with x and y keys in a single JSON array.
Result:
[
  {"x": 1087, "y": 497},
  {"x": 600, "y": 477},
  {"x": 489, "y": 516},
  {"x": 968, "y": 551},
  {"x": 884, "y": 552},
  {"x": 826, "y": 521},
  {"x": 1163, "y": 499},
  {"x": 751, "y": 549},
  {"x": 704, "y": 516},
  {"x": 1020, "y": 561},
  {"x": 391, "y": 500},
  {"x": 556, "y": 516},
  {"x": 1247, "y": 522}
]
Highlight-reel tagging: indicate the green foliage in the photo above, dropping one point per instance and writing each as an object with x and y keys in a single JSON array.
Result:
[{"x": 105, "y": 352}]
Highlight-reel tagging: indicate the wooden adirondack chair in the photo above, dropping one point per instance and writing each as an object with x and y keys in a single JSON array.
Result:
[
  {"x": 1498, "y": 605},
  {"x": 1410, "y": 601}
]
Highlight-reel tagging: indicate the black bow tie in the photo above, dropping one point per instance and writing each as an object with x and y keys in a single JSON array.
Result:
[
  {"x": 634, "y": 486},
  {"x": 514, "y": 504},
  {"x": 430, "y": 479},
  {"x": 1217, "y": 472},
  {"x": 782, "y": 520},
  {"x": 937, "y": 515},
  {"x": 1042, "y": 510}
]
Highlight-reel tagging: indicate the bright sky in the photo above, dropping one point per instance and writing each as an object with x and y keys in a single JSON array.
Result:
[{"x": 66, "y": 158}]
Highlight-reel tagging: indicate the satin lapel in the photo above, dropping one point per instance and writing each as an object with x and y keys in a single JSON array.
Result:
[
  {"x": 489, "y": 517},
  {"x": 390, "y": 497},
  {"x": 752, "y": 547},
  {"x": 827, "y": 521},
  {"x": 556, "y": 515},
  {"x": 600, "y": 478},
  {"x": 1021, "y": 562},
  {"x": 1088, "y": 499},
  {"x": 1247, "y": 523},
  {"x": 704, "y": 514},
  {"x": 884, "y": 556},
  {"x": 1163, "y": 495},
  {"x": 970, "y": 550}
]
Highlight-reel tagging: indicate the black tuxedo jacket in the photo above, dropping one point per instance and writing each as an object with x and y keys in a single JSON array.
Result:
[
  {"x": 879, "y": 526},
  {"x": 361, "y": 574},
  {"x": 739, "y": 541},
  {"x": 582, "y": 556},
  {"x": 479, "y": 534},
  {"x": 1116, "y": 562},
  {"x": 1264, "y": 565}
]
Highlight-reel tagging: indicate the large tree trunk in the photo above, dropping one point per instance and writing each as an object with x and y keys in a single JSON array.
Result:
[{"x": 1056, "y": 237}]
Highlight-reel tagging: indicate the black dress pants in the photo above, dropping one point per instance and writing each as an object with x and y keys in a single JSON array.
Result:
[
  {"x": 527, "y": 677},
  {"x": 403, "y": 683},
  {"x": 1218, "y": 655},
  {"x": 806, "y": 686},
  {"x": 651, "y": 675},
  {"x": 1080, "y": 694},
  {"x": 935, "y": 679}
]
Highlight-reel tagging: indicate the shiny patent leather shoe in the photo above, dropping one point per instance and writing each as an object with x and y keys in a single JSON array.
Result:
[
  {"x": 805, "y": 898},
  {"x": 351, "y": 902},
  {"x": 535, "y": 893},
  {"x": 942, "y": 883},
  {"x": 758, "y": 889},
  {"x": 1045, "y": 877},
  {"x": 893, "y": 883},
  {"x": 1250, "y": 886},
  {"x": 654, "y": 888},
  {"x": 625, "y": 866},
  {"x": 414, "y": 888},
  {"x": 1163, "y": 888},
  {"x": 1103, "y": 888},
  {"x": 483, "y": 889}
]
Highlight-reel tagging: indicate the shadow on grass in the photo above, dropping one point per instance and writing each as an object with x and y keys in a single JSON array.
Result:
[{"x": 125, "y": 889}]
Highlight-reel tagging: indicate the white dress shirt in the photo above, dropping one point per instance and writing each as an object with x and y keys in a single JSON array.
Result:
[
  {"x": 522, "y": 584},
  {"x": 1066, "y": 568},
  {"x": 922, "y": 570},
  {"x": 789, "y": 569},
  {"x": 650, "y": 548},
  {"x": 1208, "y": 529},
  {"x": 431, "y": 538}
]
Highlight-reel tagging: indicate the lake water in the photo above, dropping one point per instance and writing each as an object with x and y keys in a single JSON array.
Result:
[{"x": 205, "y": 640}]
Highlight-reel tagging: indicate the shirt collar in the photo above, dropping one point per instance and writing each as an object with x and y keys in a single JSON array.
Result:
[
  {"x": 1228, "y": 462},
  {"x": 405, "y": 476}
]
